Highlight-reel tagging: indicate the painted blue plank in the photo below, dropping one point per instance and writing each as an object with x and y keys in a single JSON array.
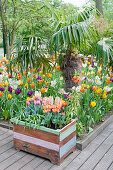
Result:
[
  {"x": 65, "y": 148},
  {"x": 67, "y": 132}
]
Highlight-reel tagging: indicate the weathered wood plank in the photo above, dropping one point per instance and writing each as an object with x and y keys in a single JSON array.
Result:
[
  {"x": 50, "y": 137},
  {"x": 5, "y": 135},
  {"x": 21, "y": 162},
  {"x": 5, "y": 141},
  {"x": 87, "y": 152},
  {"x": 66, "y": 162},
  {"x": 7, "y": 154},
  {"x": 33, "y": 164},
  {"x": 7, "y": 162},
  {"x": 6, "y": 147},
  {"x": 65, "y": 148},
  {"x": 106, "y": 161},
  {"x": 36, "y": 141},
  {"x": 6, "y": 130},
  {"x": 66, "y": 133},
  {"x": 63, "y": 142},
  {"x": 2, "y": 132},
  {"x": 68, "y": 126},
  {"x": 98, "y": 154},
  {"x": 46, "y": 165},
  {"x": 39, "y": 128},
  {"x": 111, "y": 167},
  {"x": 37, "y": 150}
]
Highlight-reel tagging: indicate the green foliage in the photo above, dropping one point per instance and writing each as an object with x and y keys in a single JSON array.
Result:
[
  {"x": 95, "y": 92},
  {"x": 30, "y": 51},
  {"x": 73, "y": 104},
  {"x": 73, "y": 30},
  {"x": 79, "y": 128},
  {"x": 105, "y": 51},
  {"x": 33, "y": 114},
  {"x": 108, "y": 9},
  {"x": 1, "y": 45}
]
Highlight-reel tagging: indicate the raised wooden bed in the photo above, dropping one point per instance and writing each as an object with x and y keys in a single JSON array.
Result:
[{"x": 54, "y": 145}]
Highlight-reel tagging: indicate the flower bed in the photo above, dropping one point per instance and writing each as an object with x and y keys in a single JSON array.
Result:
[
  {"x": 87, "y": 103},
  {"x": 95, "y": 89}
]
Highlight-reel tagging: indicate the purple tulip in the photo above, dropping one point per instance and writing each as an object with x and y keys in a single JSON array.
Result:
[
  {"x": 38, "y": 78},
  {"x": 85, "y": 78},
  {"x": 39, "y": 69},
  {"x": 10, "y": 89},
  {"x": 0, "y": 72},
  {"x": 18, "y": 91},
  {"x": 66, "y": 96},
  {"x": 92, "y": 64},
  {"x": 111, "y": 80},
  {"x": 1, "y": 88},
  {"x": 91, "y": 87},
  {"x": 10, "y": 76},
  {"x": 30, "y": 93}
]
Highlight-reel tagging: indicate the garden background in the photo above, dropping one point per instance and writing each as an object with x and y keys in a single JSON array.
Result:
[{"x": 46, "y": 41}]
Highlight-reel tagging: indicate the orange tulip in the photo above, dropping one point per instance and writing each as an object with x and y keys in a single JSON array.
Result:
[
  {"x": 26, "y": 85},
  {"x": 41, "y": 72},
  {"x": 28, "y": 79},
  {"x": 49, "y": 75},
  {"x": 58, "y": 68},
  {"x": 111, "y": 75},
  {"x": 82, "y": 89},
  {"x": 44, "y": 111},
  {"x": 24, "y": 72},
  {"x": 45, "y": 107},
  {"x": 107, "y": 81},
  {"x": 1, "y": 93},
  {"x": 100, "y": 75},
  {"x": 32, "y": 85},
  {"x": 76, "y": 79},
  {"x": 40, "y": 81},
  {"x": 5, "y": 69},
  {"x": 94, "y": 88},
  {"x": 54, "y": 110},
  {"x": 43, "y": 76},
  {"x": 34, "y": 75},
  {"x": 46, "y": 83},
  {"x": 43, "y": 90}
]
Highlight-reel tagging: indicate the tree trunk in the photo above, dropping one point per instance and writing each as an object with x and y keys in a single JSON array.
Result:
[
  {"x": 99, "y": 7},
  {"x": 5, "y": 28},
  {"x": 70, "y": 64},
  {"x": 8, "y": 51}
]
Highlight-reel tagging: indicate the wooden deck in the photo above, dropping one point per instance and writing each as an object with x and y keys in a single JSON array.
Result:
[{"x": 98, "y": 155}]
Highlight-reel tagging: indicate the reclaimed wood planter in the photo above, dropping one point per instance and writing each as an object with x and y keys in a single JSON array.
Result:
[{"x": 54, "y": 145}]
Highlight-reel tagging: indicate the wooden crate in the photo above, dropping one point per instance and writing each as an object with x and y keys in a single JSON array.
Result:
[{"x": 54, "y": 145}]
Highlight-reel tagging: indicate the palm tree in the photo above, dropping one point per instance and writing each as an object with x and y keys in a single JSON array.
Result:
[
  {"x": 71, "y": 32},
  {"x": 104, "y": 51},
  {"x": 30, "y": 52}
]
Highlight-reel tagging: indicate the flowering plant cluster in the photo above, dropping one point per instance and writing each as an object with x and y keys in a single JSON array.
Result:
[
  {"x": 95, "y": 88},
  {"x": 44, "y": 111},
  {"x": 16, "y": 88}
]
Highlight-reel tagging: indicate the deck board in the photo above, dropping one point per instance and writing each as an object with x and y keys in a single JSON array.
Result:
[{"x": 96, "y": 156}]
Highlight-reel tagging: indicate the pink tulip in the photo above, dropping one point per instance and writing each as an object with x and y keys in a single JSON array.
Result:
[
  {"x": 35, "y": 102},
  {"x": 28, "y": 103},
  {"x": 38, "y": 102}
]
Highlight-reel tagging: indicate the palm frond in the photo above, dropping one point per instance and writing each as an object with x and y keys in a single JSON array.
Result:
[
  {"x": 31, "y": 52},
  {"x": 104, "y": 50}
]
